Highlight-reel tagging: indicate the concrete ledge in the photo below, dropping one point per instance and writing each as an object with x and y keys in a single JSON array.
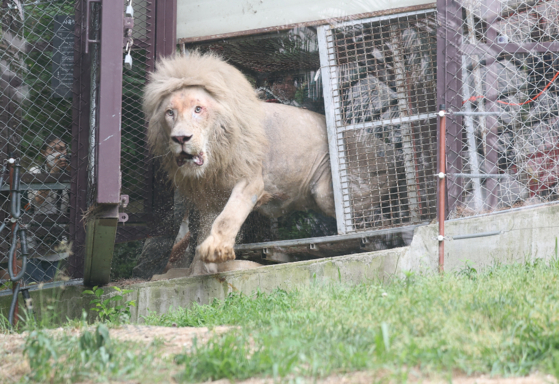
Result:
[{"x": 159, "y": 296}]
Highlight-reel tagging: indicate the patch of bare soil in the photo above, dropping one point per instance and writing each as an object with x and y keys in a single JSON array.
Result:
[
  {"x": 175, "y": 340},
  {"x": 13, "y": 365},
  {"x": 366, "y": 377}
]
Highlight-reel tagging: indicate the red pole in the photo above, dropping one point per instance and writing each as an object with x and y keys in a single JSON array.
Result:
[
  {"x": 14, "y": 263},
  {"x": 442, "y": 185}
]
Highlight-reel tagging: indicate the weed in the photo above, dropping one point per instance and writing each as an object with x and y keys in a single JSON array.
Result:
[
  {"x": 119, "y": 313},
  {"x": 92, "y": 356},
  {"x": 468, "y": 271}
]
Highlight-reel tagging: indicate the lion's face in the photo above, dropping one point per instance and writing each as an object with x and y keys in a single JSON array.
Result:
[{"x": 189, "y": 116}]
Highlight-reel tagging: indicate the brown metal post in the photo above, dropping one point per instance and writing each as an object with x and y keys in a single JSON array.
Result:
[
  {"x": 165, "y": 44},
  {"x": 102, "y": 226},
  {"x": 449, "y": 84},
  {"x": 80, "y": 144},
  {"x": 442, "y": 185},
  {"x": 14, "y": 264}
]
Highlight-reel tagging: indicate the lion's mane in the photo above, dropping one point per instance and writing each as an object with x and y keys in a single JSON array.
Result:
[{"x": 236, "y": 143}]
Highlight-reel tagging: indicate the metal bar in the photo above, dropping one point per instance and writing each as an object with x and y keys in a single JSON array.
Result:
[
  {"x": 449, "y": 81},
  {"x": 110, "y": 103},
  {"x": 442, "y": 185},
  {"x": 476, "y": 235},
  {"x": 166, "y": 27},
  {"x": 392, "y": 121},
  {"x": 14, "y": 308},
  {"x": 479, "y": 175},
  {"x": 102, "y": 225},
  {"x": 494, "y": 50},
  {"x": 471, "y": 138},
  {"x": 326, "y": 239},
  {"x": 87, "y": 22},
  {"x": 328, "y": 80},
  {"x": 469, "y": 113},
  {"x": 164, "y": 44},
  {"x": 39, "y": 186},
  {"x": 42, "y": 286},
  {"x": 80, "y": 144},
  {"x": 406, "y": 129}
]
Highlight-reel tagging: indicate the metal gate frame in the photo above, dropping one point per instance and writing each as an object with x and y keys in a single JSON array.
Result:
[
  {"x": 102, "y": 222},
  {"x": 274, "y": 251},
  {"x": 332, "y": 101}
]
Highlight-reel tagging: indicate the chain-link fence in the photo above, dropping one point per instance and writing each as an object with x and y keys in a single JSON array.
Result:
[
  {"x": 498, "y": 82},
  {"x": 37, "y": 106}
]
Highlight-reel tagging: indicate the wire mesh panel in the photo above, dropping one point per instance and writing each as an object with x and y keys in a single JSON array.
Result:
[
  {"x": 380, "y": 80},
  {"x": 39, "y": 111},
  {"x": 500, "y": 66}
]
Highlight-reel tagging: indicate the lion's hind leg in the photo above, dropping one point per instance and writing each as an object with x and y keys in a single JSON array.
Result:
[{"x": 323, "y": 194}]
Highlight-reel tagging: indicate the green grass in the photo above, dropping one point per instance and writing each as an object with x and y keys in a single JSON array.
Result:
[
  {"x": 91, "y": 356},
  {"x": 504, "y": 321}
]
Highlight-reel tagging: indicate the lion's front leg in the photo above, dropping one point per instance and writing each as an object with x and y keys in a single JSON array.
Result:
[{"x": 219, "y": 245}]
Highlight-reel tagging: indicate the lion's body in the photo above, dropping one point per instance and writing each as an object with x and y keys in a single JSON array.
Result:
[
  {"x": 297, "y": 165},
  {"x": 230, "y": 153}
]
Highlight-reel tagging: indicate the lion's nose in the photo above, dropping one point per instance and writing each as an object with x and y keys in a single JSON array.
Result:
[{"x": 181, "y": 139}]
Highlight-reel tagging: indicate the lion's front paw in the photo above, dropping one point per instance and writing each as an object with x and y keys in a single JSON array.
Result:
[{"x": 214, "y": 251}]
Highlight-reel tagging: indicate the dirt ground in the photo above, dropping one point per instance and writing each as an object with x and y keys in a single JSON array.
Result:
[
  {"x": 13, "y": 366},
  {"x": 372, "y": 377}
]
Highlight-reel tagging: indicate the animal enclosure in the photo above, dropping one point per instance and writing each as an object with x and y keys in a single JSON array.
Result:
[{"x": 379, "y": 78}]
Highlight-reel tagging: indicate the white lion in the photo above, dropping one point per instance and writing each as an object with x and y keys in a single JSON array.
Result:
[{"x": 230, "y": 153}]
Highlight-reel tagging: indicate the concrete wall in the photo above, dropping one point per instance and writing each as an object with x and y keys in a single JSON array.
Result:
[
  {"x": 528, "y": 234},
  {"x": 197, "y": 18}
]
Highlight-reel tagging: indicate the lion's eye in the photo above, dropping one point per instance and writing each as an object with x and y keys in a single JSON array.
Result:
[
  {"x": 170, "y": 113},
  {"x": 198, "y": 109}
]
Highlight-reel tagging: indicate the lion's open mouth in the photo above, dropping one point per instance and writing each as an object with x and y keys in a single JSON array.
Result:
[{"x": 196, "y": 159}]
